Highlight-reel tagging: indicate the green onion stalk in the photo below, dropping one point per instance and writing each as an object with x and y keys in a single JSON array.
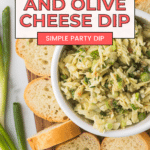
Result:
[
  {"x": 4, "y": 61},
  {"x": 5, "y": 137}
]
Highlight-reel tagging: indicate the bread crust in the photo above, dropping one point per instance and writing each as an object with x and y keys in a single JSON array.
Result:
[
  {"x": 88, "y": 134},
  {"x": 138, "y": 1},
  {"x": 32, "y": 108},
  {"x": 55, "y": 136},
  {"x": 28, "y": 66},
  {"x": 17, "y": 51},
  {"x": 143, "y": 136}
]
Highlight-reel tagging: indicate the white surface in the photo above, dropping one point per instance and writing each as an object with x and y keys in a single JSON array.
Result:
[
  {"x": 17, "y": 83},
  {"x": 135, "y": 129}
]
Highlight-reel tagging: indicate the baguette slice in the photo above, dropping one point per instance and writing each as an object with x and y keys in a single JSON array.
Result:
[
  {"x": 136, "y": 142},
  {"x": 54, "y": 135},
  {"x": 40, "y": 99},
  {"x": 143, "y": 5},
  {"x": 37, "y": 58},
  {"x": 85, "y": 141}
]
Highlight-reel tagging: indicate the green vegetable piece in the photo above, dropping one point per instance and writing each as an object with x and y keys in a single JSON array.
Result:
[
  {"x": 90, "y": 70},
  {"x": 4, "y": 61},
  {"x": 146, "y": 69},
  {"x": 116, "y": 94},
  {"x": 109, "y": 126},
  {"x": 114, "y": 47},
  {"x": 120, "y": 85},
  {"x": 148, "y": 53},
  {"x": 118, "y": 78},
  {"x": 104, "y": 66},
  {"x": 7, "y": 138},
  {"x": 123, "y": 124},
  {"x": 134, "y": 107},
  {"x": 63, "y": 77},
  {"x": 114, "y": 103},
  {"x": 103, "y": 113},
  {"x": 145, "y": 77},
  {"x": 19, "y": 126},
  {"x": 72, "y": 92},
  {"x": 108, "y": 104},
  {"x": 131, "y": 75},
  {"x": 137, "y": 96},
  {"x": 142, "y": 116},
  {"x": 82, "y": 50},
  {"x": 95, "y": 54},
  {"x": 118, "y": 108},
  {"x": 106, "y": 85},
  {"x": 92, "y": 86},
  {"x": 3, "y": 144},
  {"x": 6, "y": 38},
  {"x": 86, "y": 80}
]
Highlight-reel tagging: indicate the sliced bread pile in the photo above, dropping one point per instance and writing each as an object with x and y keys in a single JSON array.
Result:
[
  {"x": 37, "y": 58},
  {"x": 54, "y": 135},
  {"x": 40, "y": 99}
]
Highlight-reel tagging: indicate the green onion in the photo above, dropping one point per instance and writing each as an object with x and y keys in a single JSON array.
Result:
[
  {"x": 95, "y": 54},
  {"x": 108, "y": 104},
  {"x": 120, "y": 85},
  {"x": 63, "y": 77},
  {"x": 114, "y": 47},
  {"x": 3, "y": 144},
  {"x": 114, "y": 103},
  {"x": 137, "y": 96},
  {"x": 142, "y": 116},
  {"x": 109, "y": 126},
  {"x": 123, "y": 123},
  {"x": 7, "y": 138},
  {"x": 118, "y": 78},
  {"x": 118, "y": 109},
  {"x": 92, "y": 86},
  {"x": 90, "y": 70},
  {"x": 82, "y": 50},
  {"x": 86, "y": 80},
  {"x": 6, "y": 38},
  {"x": 145, "y": 77},
  {"x": 148, "y": 53},
  {"x": 19, "y": 126},
  {"x": 106, "y": 85},
  {"x": 103, "y": 113},
  {"x": 134, "y": 107},
  {"x": 104, "y": 66},
  {"x": 4, "y": 61},
  {"x": 72, "y": 92},
  {"x": 131, "y": 75}
]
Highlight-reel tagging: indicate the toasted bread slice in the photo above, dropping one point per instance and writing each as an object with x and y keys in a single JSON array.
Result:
[
  {"x": 85, "y": 141},
  {"x": 54, "y": 135},
  {"x": 40, "y": 99},
  {"x": 136, "y": 142},
  {"x": 143, "y": 5},
  {"x": 37, "y": 58}
]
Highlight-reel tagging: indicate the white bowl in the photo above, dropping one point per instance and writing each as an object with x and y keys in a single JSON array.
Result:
[{"x": 66, "y": 107}]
